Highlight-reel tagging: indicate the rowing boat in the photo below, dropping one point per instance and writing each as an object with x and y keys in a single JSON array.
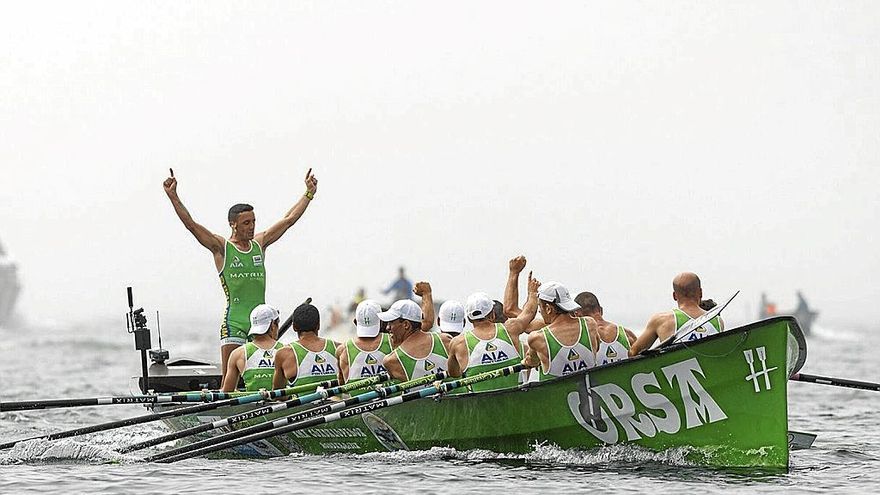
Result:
[{"x": 722, "y": 400}]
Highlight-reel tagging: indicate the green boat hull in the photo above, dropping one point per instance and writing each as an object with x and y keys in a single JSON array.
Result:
[{"x": 723, "y": 399}]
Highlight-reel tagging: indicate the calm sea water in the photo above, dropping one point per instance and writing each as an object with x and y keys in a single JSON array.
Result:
[{"x": 56, "y": 360}]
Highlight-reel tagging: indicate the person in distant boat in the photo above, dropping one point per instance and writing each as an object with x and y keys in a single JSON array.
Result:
[
  {"x": 240, "y": 258},
  {"x": 567, "y": 343},
  {"x": 450, "y": 318},
  {"x": 309, "y": 359},
  {"x": 687, "y": 292},
  {"x": 417, "y": 352},
  {"x": 491, "y": 345},
  {"x": 401, "y": 288},
  {"x": 254, "y": 362},
  {"x": 364, "y": 355},
  {"x": 614, "y": 340}
]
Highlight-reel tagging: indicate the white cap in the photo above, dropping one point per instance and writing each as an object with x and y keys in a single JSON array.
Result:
[
  {"x": 405, "y": 308},
  {"x": 479, "y": 305},
  {"x": 556, "y": 293},
  {"x": 451, "y": 317},
  {"x": 366, "y": 318},
  {"x": 261, "y": 319}
]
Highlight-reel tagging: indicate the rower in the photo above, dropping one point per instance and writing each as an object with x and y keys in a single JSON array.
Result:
[
  {"x": 239, "y": 259},
  {"x": 363, "y": 356},
  {"x": 687, "y": 292},
  {"x": 491, "y": 345},
  {"x": 566, "y": 345},
  {"x": 254, "y": 362},
  {"x": 309, "y": 359},
  {"x": 450, "y": 318},
  {"x": 614, "y": 340},
  {"x": 416, "y": 353}
]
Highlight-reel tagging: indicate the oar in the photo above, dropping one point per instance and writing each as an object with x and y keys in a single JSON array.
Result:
[
  {"x": 260, "y": 411},
  {"x": 308, "y": 413},
  {"x": 353, "y": 411},
  {"x": 130, "y": 399},
  {"x": 837, "y": 382},
  {"x": 147, "y": 418}
]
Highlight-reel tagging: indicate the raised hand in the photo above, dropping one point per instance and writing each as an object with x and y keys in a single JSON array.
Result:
[
  {"x": 311, "y": 183},
  {"x": 422, "y": 288},
  {"x": 170, "y": 184},
  {"x": 533, "y": 285},
  {"x": 517, "y": 264}
]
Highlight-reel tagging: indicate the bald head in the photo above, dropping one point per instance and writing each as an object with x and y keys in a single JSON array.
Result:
[{"x": 687, "y": 286}]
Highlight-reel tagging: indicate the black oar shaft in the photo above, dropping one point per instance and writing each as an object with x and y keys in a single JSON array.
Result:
[
  {"x": 308, "y": 413},
  {"x": 346, "y": 413},
  {"x": 139, "y": 399},
  {"x": 255, "y": 413},
  {"x": 147, "y": 418},
  {"x": 838, "y": 382}
]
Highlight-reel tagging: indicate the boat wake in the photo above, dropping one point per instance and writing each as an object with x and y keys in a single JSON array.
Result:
[{"x": 546, "y": 455}]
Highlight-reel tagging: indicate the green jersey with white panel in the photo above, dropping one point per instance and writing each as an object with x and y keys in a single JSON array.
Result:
[
  {"x": 315, "y": 367},
  {"x": 492, "y": 354},
  {"x": 435, "y": 361},
  {"x": 711, "y": 327},
  {"x": 568, "y": 359},
  {"x": 259, "y": 367},
  {"x": 616, "y": 350}
]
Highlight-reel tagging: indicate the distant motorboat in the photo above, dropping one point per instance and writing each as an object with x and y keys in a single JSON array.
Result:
[
  {"x": 9, "y": 286},
  {"x": 804, "y": 314}
]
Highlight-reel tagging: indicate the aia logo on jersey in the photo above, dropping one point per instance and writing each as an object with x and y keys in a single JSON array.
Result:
[{"x": 236, "y": 263}]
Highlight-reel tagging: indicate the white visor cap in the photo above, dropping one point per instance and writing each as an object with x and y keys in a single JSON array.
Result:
[
  {"x": 556, "y": 293},
  {"x": 478, "y": 306},
  {"x": 405, "y": 308},
  {"x": 366, "y": 318},
  {"x": 261, "y": 319},
  {"x": 451, "y": 317}
]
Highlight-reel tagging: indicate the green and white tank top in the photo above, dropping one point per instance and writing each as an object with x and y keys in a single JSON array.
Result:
[
  {"x": 244, "y": 283},
  {"x": 435, "y": 361},
  {"x": 367, "y": 363},
  {"x": 488, "y": 355},
  {"x": 564, "y": 359},
  {"x": 617, "y": 350},
  {"x": 711, "y": 327},
  {"x": 259, "y": 366},
  {"x": 315, "y": 367}
]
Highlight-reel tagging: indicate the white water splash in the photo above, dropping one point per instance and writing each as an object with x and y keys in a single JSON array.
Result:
[
  {"x": 542, "y": 454},
  {"x": 61, "y": 451}
]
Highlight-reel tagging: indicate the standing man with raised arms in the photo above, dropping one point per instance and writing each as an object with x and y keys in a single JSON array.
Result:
[{"x": 240, "y": 258}]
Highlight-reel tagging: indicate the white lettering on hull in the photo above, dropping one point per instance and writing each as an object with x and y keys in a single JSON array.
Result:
[{"x": 607, "y": 401}]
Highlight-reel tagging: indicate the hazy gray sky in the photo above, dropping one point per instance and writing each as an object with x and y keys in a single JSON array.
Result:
[{"x": 613, "y": 143}]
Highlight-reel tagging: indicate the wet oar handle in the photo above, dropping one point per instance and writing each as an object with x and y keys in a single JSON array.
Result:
[{"x": 837, "y": 382}]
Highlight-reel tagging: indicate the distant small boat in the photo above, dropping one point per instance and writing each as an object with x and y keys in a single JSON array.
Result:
[
  {"x": 803, "y": 313},
  {"x": 9, "y": 286}
]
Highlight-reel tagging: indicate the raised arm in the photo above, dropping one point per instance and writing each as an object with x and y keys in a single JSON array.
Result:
[
  {"x": 521, "y": 324},
  {"x": 273, "y": 233},
  {"x": 511, "y": 290},
  {"x": 205, "y": 237},
  {"x": 423, "y": 290}
]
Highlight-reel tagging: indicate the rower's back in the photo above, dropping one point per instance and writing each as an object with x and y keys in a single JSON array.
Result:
[
  {"x": 315, "y": 359},
  {"x": 310, "y": 359},
  {"x": 422, "y": 354},
  {"x": 567, "y": 344},
  {"x": 490, "y": 347}
]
